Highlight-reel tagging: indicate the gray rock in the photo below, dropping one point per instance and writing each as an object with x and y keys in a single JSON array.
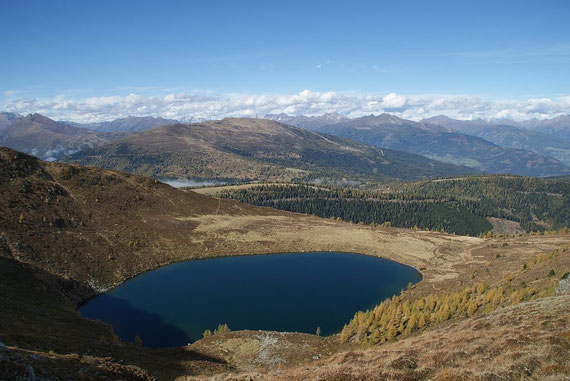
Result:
[{"x": 563, "y": 286}]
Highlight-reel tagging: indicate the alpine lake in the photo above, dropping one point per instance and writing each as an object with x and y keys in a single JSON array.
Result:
[{"x": 293, "y": 292}]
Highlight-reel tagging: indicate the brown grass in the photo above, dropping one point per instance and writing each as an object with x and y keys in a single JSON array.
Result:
[
  {"x": 527, "y": 341},
  {"x": 103, "y": 227}
]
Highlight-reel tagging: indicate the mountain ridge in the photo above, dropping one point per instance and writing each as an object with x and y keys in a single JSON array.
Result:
[
  {"x": 501, "y": 148},
  {"x": 256, "y": 149},
  {"x": 130, "y": 124},
  {"x": 440, "y": 144},
  {"x": 510, "y": 136},
  {"x": 8, "y": 117},
  {"x": 48, "y": 139}
]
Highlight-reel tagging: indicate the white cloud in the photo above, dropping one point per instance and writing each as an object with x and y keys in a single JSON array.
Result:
[
  {"x": 205, "y": 106},
  {"x": 394, "y": 102}
]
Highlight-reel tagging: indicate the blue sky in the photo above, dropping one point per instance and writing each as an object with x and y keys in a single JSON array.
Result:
[{"x": 494, "y": 50}]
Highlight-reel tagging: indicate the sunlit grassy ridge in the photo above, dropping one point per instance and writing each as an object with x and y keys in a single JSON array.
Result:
[{"x": 403, "y": 315}]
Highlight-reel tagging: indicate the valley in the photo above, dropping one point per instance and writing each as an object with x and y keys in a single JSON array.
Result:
[{"x": 71, "y": 232}]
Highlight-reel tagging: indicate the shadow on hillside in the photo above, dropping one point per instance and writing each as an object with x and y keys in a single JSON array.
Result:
[{"x": 129, "y": 321}]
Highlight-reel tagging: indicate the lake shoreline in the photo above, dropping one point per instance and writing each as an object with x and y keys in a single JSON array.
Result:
[
  {"x": 98, "y": 293},
  {"x": 339, "y": 283}
]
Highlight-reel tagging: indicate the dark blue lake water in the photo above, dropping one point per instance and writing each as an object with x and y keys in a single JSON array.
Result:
[{"x": 173, "y": 305}]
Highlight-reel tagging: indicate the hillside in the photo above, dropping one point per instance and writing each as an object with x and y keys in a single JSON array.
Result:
[
  {"x": 507, "y": 135},
  {"x": 439, "y": 143},
  {"x": 419, "y": 212},
  {"x": 469, "y": 206},
  {"x": 520, "y": 342},
  {"x": 69, "y": 232},
  {"x": 256, "y": 149},
  {"x": 41, "y": 201},
  {"x": 129, "y": 223},
  {"x": 47, "y": 139}
]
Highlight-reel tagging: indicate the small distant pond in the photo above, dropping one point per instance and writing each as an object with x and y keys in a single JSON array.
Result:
[
  {"x": 191, "y": 183},
  {"x": 295, "y": 292}
]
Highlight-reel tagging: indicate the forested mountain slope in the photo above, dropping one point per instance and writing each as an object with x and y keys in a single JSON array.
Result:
[{"x": 461, "y": 205}]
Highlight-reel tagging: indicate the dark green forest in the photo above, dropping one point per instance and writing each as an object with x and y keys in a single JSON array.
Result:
[{"x": 459, "y": 206}]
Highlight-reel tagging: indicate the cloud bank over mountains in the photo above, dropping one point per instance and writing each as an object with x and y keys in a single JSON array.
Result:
[{"x": 183, "y": 106}]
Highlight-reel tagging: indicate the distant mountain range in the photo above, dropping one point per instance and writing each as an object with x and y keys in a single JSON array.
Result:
[
  {"x": 532, "y": 148},
  {"x": 47, "y": 139},
  {"x": 8, "y": 117},
  {"x": 534, "y": 138},
  {"x": 443, "y": 139},
  {"x": 257, "y": 149},
  {"x": 308, "y": 122},
  {"x": 50, "y": 140},
  {"x": 129, "y": 124},
  {"x": 559, "y": 127}
]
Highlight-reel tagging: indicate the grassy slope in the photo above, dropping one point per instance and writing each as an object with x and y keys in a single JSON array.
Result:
[
  {"x": 95, "y": 213},
  {"x": 102, "y": 227},
  {"x": 257, "y": 149},
  {"x": 526, "y": 341},
  {"x": 39, "y": 318}
]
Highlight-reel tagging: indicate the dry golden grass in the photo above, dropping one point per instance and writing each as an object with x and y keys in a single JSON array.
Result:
[
  {"x": 527, "y": 341},
  {"x": 103, "y": 227},
  {"x": 434, "y": 253}
]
